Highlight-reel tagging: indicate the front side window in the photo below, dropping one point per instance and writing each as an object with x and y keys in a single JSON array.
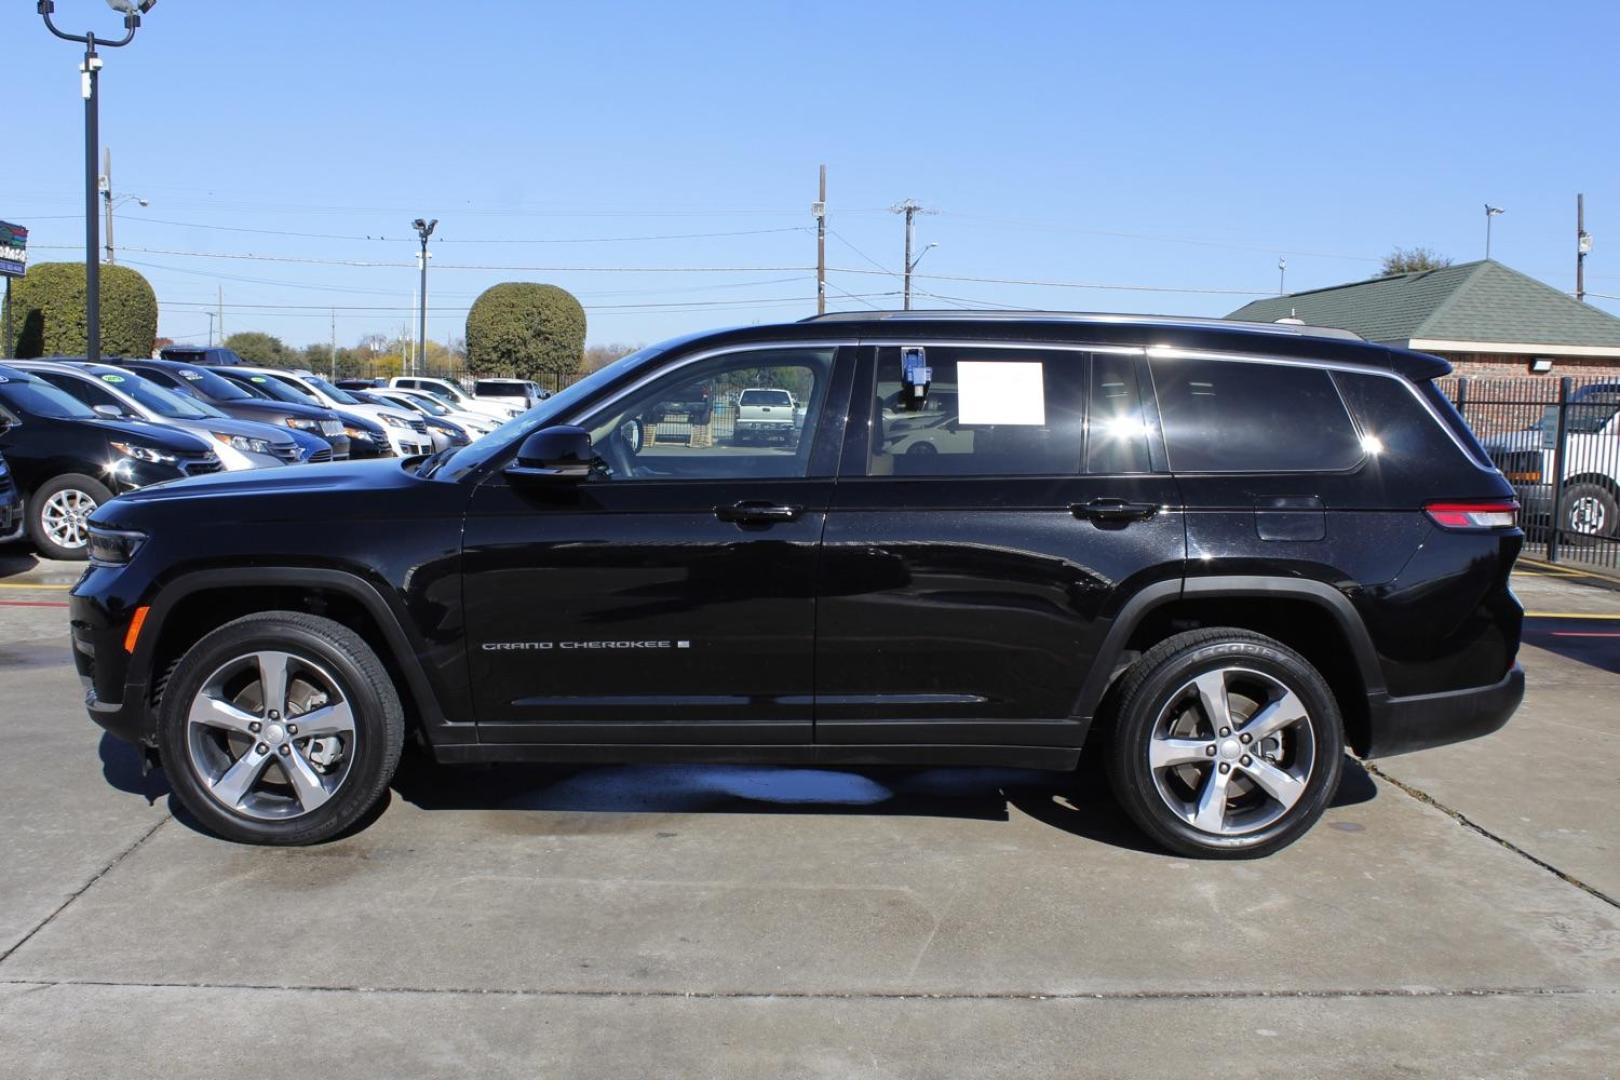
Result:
[
  {"x": 1241, "y": 416},
  {"x": 741, "y": 415},
  {"x": 86, "y": 391},
  {"x": 988, "y": 412},
  {"x": 34, "y": 397}
]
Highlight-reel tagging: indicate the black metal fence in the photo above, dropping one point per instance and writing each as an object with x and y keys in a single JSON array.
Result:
[{"x": 1558, "y": 442}]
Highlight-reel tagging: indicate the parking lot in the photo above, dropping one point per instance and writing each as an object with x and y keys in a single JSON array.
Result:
[{"x": 1457, "y": 913}]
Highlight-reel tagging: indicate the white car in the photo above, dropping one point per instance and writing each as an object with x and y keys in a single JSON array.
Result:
[
  {"x": 519, "y": 393},
  {"x": 407, "y": 433},
  {"x": 476, "y": 423},
  {"x": 455, "y": 397}
]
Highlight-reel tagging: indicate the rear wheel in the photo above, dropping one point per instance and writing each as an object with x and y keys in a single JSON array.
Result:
[
  {"x": 280, "y": 728},
  {"x": 1590, "y": 512},
  {"x": 59, "y": 515},
  {"x": 1228, "y": 745}
]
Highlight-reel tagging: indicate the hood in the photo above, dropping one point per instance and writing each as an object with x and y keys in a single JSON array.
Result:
[
  {"x": 275, "y": 408},
  {"x": 303, "y": 482},
  {"x": 157, "y": 436},
  {"x": 251, "y": 429},
  {"x": 365, "y": 421}
]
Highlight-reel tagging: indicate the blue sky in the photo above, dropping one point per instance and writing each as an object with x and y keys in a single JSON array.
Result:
[{"x": 1160, "y": 146}]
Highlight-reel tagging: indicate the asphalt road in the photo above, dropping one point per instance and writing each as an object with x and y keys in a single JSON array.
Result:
[{"x": 1455, "y": 914}]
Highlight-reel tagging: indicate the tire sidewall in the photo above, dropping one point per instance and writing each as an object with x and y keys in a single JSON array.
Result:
[
  {"x": 1611, "y": 511},
  {"x": 375, "y": 709},
  {"x": 41, "y": 539},
  {"x": 1133, "y": 779}
]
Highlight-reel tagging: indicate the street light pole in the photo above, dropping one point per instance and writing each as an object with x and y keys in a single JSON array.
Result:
[
  {"x": 90, "y": 72},
  {"x": 1490, "y": 212},
  {"x": 424, "y": 229},
  {"x": 112, "y": 202}
]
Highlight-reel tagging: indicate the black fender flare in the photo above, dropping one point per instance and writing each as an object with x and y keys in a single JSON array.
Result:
[
  {"x": 1237, "y": 586},
  {"x": 402, "y": 647}
]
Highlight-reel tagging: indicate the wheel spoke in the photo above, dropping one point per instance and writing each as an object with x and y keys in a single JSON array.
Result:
[
  {"x": 305, "y": 780},
  {"x": 337, "y": 719},
  {"x": 1282, "y": 786},
  {"x": 214, "y": 712},
  {"x": 1163, "y": 753},
  {"x": 1212, "y": 696},
  {"x": 234, "y": 784},
  {"x": 273, "y": 682},
  {"x": 1281, "y": 713},
  {"x": 1211, "y": 815}
]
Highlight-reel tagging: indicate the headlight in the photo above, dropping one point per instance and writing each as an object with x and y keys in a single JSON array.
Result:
[
  {"x": 113, "y": 547},
  {"x": 303, "y": 423},
  {"x": 144, "y": 453},
  {"x": 394, "y": 421},
  {"x": 357, "y": 433},
  {"x": 244, "y": 443}
]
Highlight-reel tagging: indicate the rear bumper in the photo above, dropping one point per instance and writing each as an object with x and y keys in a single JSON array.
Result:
[{"x": 1406, "y": 724}]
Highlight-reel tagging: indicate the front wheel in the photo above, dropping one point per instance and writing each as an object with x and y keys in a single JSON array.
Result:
[
  {"x": 59, "y": 515},
  {"x": 280, "y": 728},
  {"x": 1228, "y": 745}
]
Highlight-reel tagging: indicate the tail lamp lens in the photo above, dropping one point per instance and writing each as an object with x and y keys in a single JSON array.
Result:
[{"x": 1479, "y": 514}]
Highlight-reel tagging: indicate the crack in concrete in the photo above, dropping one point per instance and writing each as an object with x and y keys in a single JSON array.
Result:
[
  {"x": 1468, "y": 823},
  {"x": 862, "y": 995},
  {"x": 82, "y": 889}
]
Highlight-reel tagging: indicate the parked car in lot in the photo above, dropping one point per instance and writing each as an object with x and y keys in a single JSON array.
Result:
[
  {"x": 407, "y": 434},
  {"x": 119, "y": 394},
  {"x": 1590, "y": 504},
  {"x": 1217, "y": 553},
  {"x": 476, "y": 424},
  {"x": 443, "y": 433},
  {"x": 765, "y": 415},
  {"x": 10, "y": 504},
  {"x": 367, "y": 438},
  {"x": 66, "y": 461},
  {"x": 449, "y": 392},
  {"x": 201, "y": 355},
  {"x": 318, "y": 431},
  {"x": 692, "y": 402},
  {"x": 520, "y": 394}
]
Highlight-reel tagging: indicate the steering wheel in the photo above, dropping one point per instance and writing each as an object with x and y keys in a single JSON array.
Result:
[{"x": 621, "y": 462}]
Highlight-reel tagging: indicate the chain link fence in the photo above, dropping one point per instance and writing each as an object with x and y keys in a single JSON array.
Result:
[{"x": 1558, "y": 443}]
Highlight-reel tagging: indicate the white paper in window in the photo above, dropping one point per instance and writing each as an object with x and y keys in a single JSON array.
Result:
[{"x": 1000, "y": 393}]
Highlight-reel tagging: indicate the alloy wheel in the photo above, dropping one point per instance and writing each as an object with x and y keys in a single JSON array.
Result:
[
  {"x": 66, "y": 517},
  {"x": 1232, "y": 751},
  {"x": 271, "y": 735}
]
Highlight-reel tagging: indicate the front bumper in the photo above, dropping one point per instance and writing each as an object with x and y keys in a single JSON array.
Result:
[
  {"x": 1405, "y": 724},
  {"x": 98, "y": 655}
]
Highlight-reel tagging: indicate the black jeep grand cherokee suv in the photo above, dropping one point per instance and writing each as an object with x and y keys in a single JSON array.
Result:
[{"x": 1228, "y": 550}]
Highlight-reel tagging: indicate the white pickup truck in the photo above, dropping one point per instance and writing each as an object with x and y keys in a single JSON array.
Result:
[{"x": 766, "y": 414}]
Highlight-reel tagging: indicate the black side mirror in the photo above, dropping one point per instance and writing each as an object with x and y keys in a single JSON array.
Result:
[{"x": 561, "y": 453}]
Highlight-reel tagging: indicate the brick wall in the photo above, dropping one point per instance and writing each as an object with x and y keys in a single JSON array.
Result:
[{"x": 1505, "y": 366}]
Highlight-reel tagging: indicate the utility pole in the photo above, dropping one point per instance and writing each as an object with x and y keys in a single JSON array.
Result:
[
  {"x": 334, "y": 344},
  {"x": 222, "y": 314},
  {"x": 210, "y": 315},
  {"x": 1583, "y": 247},
  {"x": 910, "y": 208},
  {"x": 819, "y": 210},
  {"x": 106, "y": 199},
  {"x": 1282, "y": 276},
  {"x": 424, "y": 229}
]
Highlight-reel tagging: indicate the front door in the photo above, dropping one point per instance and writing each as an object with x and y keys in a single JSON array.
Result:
[
  {"x": 980, "y": 541},
  {"x": 670, "y": 598}
]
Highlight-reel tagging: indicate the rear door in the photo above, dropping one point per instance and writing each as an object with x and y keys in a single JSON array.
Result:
[{"x": 977, "y": 546}]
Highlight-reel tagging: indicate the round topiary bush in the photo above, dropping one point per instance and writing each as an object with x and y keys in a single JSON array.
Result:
[
  {"x": 48, "y": 318},
  {"x": 525, "y": 330}
]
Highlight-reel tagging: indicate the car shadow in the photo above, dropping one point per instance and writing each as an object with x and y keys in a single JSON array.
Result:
[
  {"x": 121, "y": 767},
  {"x": 16, "y": 558}
]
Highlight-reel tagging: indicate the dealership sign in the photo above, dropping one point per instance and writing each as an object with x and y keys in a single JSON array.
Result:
[{"x": 13, "y": 250}]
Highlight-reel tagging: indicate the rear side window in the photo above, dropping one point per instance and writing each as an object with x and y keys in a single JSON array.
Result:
[
  {"x": 1396, "y": 424},
  {"x": 1237, "y": 416}
]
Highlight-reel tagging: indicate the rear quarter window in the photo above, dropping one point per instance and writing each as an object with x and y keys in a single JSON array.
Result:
[
  {"x": 1403, "y": 429},
  {"x": 1241, "y": 416}
]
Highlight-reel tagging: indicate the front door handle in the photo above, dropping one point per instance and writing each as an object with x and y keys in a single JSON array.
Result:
[
  {"x": 1114, "y": 510},
  {"x": 757, "y": 513}
]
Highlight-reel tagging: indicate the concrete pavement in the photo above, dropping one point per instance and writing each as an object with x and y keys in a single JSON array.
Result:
[{"x": 1457, "y": 918}]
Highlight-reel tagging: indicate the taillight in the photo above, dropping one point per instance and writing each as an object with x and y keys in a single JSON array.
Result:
[{"x": 1482, "y": 514}]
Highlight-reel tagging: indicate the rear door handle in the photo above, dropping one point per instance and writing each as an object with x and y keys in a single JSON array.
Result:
[
  {"x": 1114, "y": 510},
  {"x": 757, "y": 513}
]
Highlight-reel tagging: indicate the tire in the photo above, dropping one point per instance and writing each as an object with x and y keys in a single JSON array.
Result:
[
  {"x": 57, "y": 513},
  {"x": 1162, "y": 714},
  {"x": 1590, "y": 511},
  {"x": 922, "y": 449},
  {"x": 264, "y": 746}
]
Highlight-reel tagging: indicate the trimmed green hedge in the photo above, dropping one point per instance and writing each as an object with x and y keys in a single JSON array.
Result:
[
  {"x": 525, "y": 330},
  {"x": 47, "y": 312}
]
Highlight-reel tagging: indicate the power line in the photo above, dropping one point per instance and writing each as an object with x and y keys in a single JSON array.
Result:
[
  {"x": 149, "y": 220},
  {"x": 1068, "y": 284}
]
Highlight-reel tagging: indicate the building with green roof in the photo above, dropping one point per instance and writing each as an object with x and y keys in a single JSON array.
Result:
[{"x": 1486, "y": 318}]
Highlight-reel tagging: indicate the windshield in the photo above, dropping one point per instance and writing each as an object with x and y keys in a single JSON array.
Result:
[
  {"x": 430, "y": 405},
  {"x": 453, "y": 395},
  {"x": 211, "y": 386},
  {"x": 469, "y": 457},
  {"x": 161, "y": 401},
  {"x": 35, "y": 397},
  {"x": 342, "y": 397},
  {"x": 271, "y": 387}
]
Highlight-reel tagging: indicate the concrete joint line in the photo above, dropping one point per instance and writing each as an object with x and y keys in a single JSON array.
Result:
[
  {"x": 874, "y": 995},
  {"x": 1463, "y": 820},
  {"x": 82, "y": 889}
]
